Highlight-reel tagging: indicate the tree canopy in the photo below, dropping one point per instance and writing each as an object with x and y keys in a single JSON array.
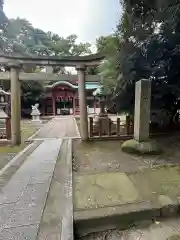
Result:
[
  {"x": 19, "y": 36},
  {"x": 148, "y": 46}
]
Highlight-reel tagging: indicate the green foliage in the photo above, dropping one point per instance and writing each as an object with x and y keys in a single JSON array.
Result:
[
  {"x": 149, "y": 43},
  {"x": 108, "y": 46},
  {"x": 32, "y": 93},
  {"x": 146, "y": 45},
  {"x": 19, "y": 36},
  {"x": 92, "y": 70}
]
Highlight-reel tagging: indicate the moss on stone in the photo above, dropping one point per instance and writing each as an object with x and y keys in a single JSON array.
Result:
[
  {"x": 147, "y": 147},
  {"x": 174, "y": 237}
]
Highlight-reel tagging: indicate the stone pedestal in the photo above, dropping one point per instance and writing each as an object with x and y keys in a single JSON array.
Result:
[
  {"x": 102, "y": 118},
  {"x": 36, "y": 118},
  {"x": 49, "y": 70},
  {"x": 104, "y": 124},
  {"x": 102, "y": 109}
]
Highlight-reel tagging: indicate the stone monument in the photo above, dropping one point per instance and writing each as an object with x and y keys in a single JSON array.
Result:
[
  {"x": 35, "y": 113},
  {"x": 141, "y": 142}
]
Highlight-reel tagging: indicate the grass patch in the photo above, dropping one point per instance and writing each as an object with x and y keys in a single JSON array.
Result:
[
  {"x": 174, "y": 237},
  {"x": 27, "y": 130},
  {"x": 162, "y": 180}
]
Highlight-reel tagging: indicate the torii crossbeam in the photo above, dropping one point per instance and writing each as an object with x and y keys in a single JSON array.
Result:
[{"x": 14, "y": 63}]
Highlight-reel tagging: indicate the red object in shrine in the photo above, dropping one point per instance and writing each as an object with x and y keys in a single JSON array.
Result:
[
  {"x": 59, "y": 98},
  {"x": 69, "y": 98},
  {"x": 75, "y": 81}
]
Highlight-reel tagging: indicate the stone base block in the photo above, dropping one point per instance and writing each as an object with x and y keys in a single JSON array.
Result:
[
  {"x": 168, "y": 208},
  {"x": 146, "y": 147},
  {"x": 36, "y": 121},
  {"x": 102, "y": 115}
]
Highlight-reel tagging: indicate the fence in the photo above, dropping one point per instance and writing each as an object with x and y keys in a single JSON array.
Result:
[{"x": 106, "y": 128}]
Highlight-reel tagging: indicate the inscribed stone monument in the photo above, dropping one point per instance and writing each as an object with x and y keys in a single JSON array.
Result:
[
  {"x": 142, "y": 110},
  {"x": 141, "y": 142}
]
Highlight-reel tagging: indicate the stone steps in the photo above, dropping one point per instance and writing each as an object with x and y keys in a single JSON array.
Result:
[{"x": 123, "y": 217}]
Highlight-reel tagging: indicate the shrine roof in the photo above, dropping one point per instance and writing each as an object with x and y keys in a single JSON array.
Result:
[
  {"x": 74, "y": 86},
  {"x": 92, "y": 86}
]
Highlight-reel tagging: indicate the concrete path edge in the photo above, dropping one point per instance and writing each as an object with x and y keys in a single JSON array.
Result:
[
  {"x": 21, "y": 156},
  {"x": 36, "y": 133},
  {"x": 77, "y": 129},
  {"x": 67, "y": 219}
]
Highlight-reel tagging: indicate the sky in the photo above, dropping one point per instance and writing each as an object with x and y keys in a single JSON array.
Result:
[{"x": 88, "y": 19}]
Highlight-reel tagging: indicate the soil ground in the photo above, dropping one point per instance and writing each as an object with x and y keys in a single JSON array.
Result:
[
  {"x": 106, "y": 156},
  {"x": 148, "y": 230},
  {"x": 100, "y": 166}
]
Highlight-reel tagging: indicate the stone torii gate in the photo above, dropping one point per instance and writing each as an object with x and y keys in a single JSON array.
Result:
[{"x": 15, "y": 63}]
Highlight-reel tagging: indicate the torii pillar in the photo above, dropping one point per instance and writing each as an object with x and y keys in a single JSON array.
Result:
[
  {"x": 82, "y": 102},
  {"x": 15, "y": 104}
]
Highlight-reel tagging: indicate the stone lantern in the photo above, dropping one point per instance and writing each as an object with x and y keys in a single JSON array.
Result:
[
  {"x": 4, "y": 101},
  {"x": 4, "y": 118},
  {"x": 102, "y": 120},
  {"x": 99, "y": 93}
]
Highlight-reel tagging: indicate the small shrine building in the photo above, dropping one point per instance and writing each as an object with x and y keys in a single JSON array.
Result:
[{"x": 64, "y": 95}]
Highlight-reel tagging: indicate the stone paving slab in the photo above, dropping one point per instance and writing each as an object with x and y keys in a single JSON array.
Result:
[
  {"x": 22, "y": 200},
  {"x": 20, "y": 233},
  {"x": 12, "y": 166},
  {"x": 59, "y": 127},
  {"x": 157, "y": 187},
  {"x": 57, "y": 219},
  {"x": 103, "y": 190}
]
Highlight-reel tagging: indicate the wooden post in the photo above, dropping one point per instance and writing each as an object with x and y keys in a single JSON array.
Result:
[
  {"x": 15, "y": 104},
  {"x": 132, "y": 125},
  {"x": 109, "y": 126},
  {"x": 128, "y": 121},
  {"x": 100, "y": 127},
  {"x": 53, "y": 105},
  {"x": 74, "y": 105},
  {"x": 91, "y": 127},
  {"x": 8, "y": 128},
  {"x": 43, "y": 107},
  {"x": 118, "y": 127},
  {"x": 82, "y": 103},
  {"x": 94, "y": 105}
]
